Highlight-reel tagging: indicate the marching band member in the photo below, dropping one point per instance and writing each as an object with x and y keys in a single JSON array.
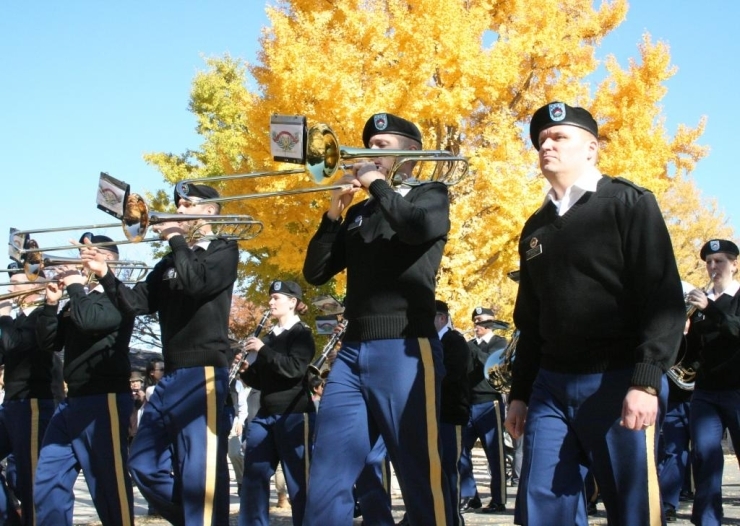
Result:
[
  {"x": 283, "y": 427},
  {"x": 600, "y": 312},
  {"x": 89, "y": 428},
  {"x": 485, "y": 421},
  {"x": 178, "y": 458},
  {"x": 387, "y": 376},
  {"x": 29, "y": 401},
  {"x": 714, "y": 342},
  {"x": 455, "y": 408}
]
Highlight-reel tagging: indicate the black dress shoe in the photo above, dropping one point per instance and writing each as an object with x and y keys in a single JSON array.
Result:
[
  {"x": 670, "y": 513},
  {"x": 493, "y": 507},
  {"x": 686, "y": 496},
  {"x": 468, "y": 504}
]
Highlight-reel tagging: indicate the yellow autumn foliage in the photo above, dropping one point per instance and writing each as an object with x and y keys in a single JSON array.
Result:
[{"x": 470, "y": 74}]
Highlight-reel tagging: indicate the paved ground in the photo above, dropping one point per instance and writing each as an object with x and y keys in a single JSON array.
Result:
[{"x": 85, "y": 512}]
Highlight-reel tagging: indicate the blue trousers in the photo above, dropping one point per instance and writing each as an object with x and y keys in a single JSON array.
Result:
[
  {"x": 573, "y": 423},
  {"x": 387, "y": 388},
  {"x": 22, "y": 427},
  {"x": 285, "y": 438},
  {"x": 711, "y": 413},
  {"x": 451, "y": 451},
  {"x": 674, "y": 452},
  {"x": 486, "y": 423},
  {"x": 178, "y": 457},
  {"x": 373, "y": 487},
  {"x": 88, "y": 432}
]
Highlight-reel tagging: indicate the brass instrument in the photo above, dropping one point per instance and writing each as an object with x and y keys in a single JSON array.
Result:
[
  {"x": 497, "y": 369},
  {"x": 681, "y": 375},
  {"x": 324, "y": 156},
  {"x": 19, "y": 294},
  {"x": 136, "y": 220},
  {"x": 36, "y": 263},
  {"x": 238, "y": 365},
  {"x": 317, "y": 365}
]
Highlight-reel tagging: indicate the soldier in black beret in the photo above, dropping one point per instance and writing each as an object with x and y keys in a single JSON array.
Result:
[
  {"x": 282, "y": 430},
  {"x": 385, "y": 379},
  {"x": 190, "y": 289},
  {"x": 90, "y": 427},
  {"x": 600, "y": 313},
  {"x": 713, "y": 349},
  {"x": 486, "y": 417}
]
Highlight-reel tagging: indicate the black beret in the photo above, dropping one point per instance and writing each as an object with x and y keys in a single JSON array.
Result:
[
  {"x": 288, "y": 288},
  {"x": 16, "y": 267},
  {"x": 559, "y": 113},
  {"x": 719, "y": 245},
  {"x": 99, "y": 239},
  {"x": 194, "y": 190},
  {"x": 441, "y": 307},
  {"x": 389, "y": 123},
  {"x": 481, "y": 311}
]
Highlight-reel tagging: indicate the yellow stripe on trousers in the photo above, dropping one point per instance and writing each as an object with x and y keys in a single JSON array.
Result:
[
  {"x": 115, "y": 429},
  {"x": 430, "y": 398},
  {"x": 34, "y": 449},
  {"x": 211, "y": 444},
  {"x": 501, "y": 455},
  {"x": 652, "y": 478}
]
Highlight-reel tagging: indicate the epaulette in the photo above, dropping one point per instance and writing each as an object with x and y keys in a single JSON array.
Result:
[
  {"x": 305, "y": 325},
  {"x": 629, "y": 183}
]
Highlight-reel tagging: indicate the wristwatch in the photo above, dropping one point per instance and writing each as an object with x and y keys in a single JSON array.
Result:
[{"x": 648, "y": 389}]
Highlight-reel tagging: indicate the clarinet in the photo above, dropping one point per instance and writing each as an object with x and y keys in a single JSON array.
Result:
[
  {"x": 315, "y": 367},
  {"x": 238, "y": 365}
]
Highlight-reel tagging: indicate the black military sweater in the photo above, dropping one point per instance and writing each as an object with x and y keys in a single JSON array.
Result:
[
  {"x": 95, "y": 338},
  {"x": 279, "y": 372},
  {"x": 599, "y": 289},
  {"x": 714, "y": 344},
  {"x": 391, "y": 246},
  {"x": 27, "y": 368},
  {"x": 191, "y": 291},
  {"x": 455, "y": 399}
]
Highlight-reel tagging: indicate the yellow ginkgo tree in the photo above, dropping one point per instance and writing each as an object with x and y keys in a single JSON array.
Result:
[{"x": 470, "y": 73}]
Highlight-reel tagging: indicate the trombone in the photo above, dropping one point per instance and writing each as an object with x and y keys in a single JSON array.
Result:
[
  {"x": 36, "y": 263},
  {"x": 135, "y": 223},
  {"x": 137, "y": 219},
  {"x": 20, "y": 294},
  {"x": 324, "y": 156}
]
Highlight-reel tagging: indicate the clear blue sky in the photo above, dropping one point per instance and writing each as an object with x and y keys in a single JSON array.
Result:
[{"x": 91, "y": 86}]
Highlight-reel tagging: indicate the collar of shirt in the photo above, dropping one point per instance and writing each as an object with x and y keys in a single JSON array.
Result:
[
  {"x": 730, "y": 291},
  {"x": 97, "y": 288},
  {"x": 203, "y": 243},
  {"x": 292, "y": 321},
  {"x": 444, "y": 329},
  {"x": 585, "y": 183},
  {"x": 403, "y": 189},
  {"x": 486, "y": 338},
  {"x": 28, "y": 310}
]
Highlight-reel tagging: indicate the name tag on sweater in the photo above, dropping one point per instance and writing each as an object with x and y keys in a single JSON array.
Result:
[
  {"x": 355, "y": 224},
  {"x": 533, "y": 252}
]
